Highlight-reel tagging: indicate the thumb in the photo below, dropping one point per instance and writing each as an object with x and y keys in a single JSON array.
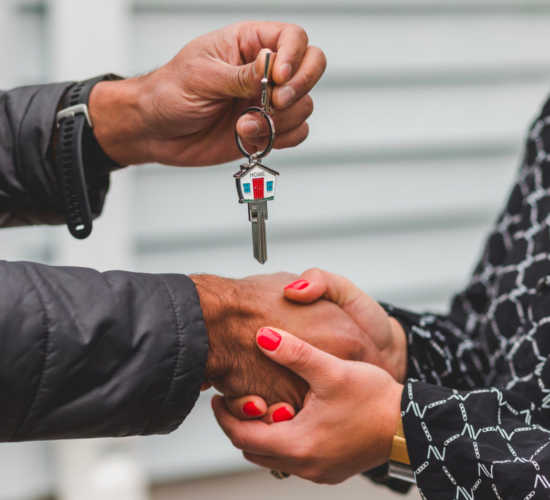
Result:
[
  {"x": 316, "y": 367},
  {"x": 244, "y": 81},
  {"x": 315, "y": 283}
]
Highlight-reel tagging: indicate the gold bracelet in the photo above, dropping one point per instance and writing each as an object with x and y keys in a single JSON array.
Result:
[{"x": 399, "y": 451}]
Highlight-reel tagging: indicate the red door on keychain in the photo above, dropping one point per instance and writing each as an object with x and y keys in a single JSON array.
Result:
[{"x": 258, "y": 185}]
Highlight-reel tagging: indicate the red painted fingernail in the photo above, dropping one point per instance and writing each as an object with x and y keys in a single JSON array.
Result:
[
  {"x": 268, "y": 339},
  {"x": 250, "y": 410},
  {"x": 281, "y": 415},
  {"x": 298, "y": 285}
]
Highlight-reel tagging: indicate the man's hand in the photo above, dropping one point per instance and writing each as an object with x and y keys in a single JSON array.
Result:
[
  {"x": 346, "y": 426},
  {"x": 386, "y": 333},
  {"x": 185, "y": 113},
  {"x": 234, "y": 310}
]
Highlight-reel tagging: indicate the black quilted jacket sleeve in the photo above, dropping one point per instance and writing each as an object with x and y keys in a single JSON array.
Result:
[
  {"x": 29, "y": 189},
  {"x": 82, "y": 353}
]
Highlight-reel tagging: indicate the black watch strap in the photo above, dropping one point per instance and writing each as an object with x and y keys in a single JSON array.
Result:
[{"x": 79, "y": 155}]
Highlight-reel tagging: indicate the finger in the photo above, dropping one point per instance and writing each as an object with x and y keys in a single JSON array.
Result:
[
  {"x": 246, "y": 407},
  {"x": 240, "y": 81},
  {"x": 312, "y": 68},
  {"x": 253, "y": 436},
  {"x": 252, "y": 127},
  {"x": 316, "y": 367},
  {"x": 360, "y": 306},
  {"x": 205, "y": 386},
  {"x": 316, "y": 283},
  {"x": 279, "y": 412},
  {"x": 287, "y": 140},
  {"x": 290, "y": 41}
]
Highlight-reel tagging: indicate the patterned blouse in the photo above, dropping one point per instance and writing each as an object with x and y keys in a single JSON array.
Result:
[{"x": 476, "y": 409}]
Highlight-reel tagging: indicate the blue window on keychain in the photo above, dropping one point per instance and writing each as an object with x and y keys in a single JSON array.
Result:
[
  {"x": 269, "y": 185},
  {"x": 247, "y": 187}
]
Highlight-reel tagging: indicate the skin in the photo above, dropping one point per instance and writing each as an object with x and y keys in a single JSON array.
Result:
[
  {"x": 386, "y": 333},
  {"x": 346, "y": 426},
  {"x": 235, "y": 309},
  {"x": 185, "y": 113}
]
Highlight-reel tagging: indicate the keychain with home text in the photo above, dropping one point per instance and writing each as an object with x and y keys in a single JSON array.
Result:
[{"x": 256, "y": 183}]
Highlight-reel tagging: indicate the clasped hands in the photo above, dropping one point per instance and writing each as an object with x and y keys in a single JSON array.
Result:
[
  {"x": 319, "y": 395},
  {"x": 343, "y": 362}
]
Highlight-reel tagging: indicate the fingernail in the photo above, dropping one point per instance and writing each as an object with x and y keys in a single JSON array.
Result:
[
  {"x": 250, "y": 127},
  {"x": 250, "y": 410},
  {"x": 298, "y": 285},
  {"x": 268, "y": 339},
  {"x": 285, "y": 72},
  {"x": 286, "y": 96},
  {"x": 281, "y": 415}
]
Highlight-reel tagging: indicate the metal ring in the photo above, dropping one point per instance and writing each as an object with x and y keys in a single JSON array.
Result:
[
  {"x": 271, "y": 126},
  {"x": 279, "y": 474}
]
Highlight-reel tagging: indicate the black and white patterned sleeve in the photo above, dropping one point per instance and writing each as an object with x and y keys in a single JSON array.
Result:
[
  {"x": 476, "y": 407},
  {"x": 485, "y": 443}
]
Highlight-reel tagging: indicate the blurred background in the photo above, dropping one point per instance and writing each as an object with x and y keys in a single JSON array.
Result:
[{"x": 414, "y": 143}]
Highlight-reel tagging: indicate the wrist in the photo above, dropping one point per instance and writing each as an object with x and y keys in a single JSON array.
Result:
[
  {"x": 223, "y": 303},
  {"x": 116, "y": 112},
  {"x": 399, "y": 351},
  {"x": 391, "y": 418}
]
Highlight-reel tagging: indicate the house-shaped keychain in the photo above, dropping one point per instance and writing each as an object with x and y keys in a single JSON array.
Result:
[{"x": 256, "y": 183}]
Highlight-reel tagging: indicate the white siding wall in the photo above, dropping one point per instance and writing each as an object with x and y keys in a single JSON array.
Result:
[{"x": 423, "y": 107}]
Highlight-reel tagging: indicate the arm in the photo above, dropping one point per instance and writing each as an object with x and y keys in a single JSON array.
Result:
[
  {"x": 486, "y": 443},
  {"x": 29, "y": 190},
  {"x": 182, "y": 114},
  {"x": 89, "y": 354}
]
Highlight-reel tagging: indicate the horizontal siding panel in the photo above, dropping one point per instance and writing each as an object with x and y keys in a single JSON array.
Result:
[
  {"x": 378, "y": 45},
  {"x": 385, "y": 265},
  {"x": 314, "y": 199},
  {"x": 395, "y": 118},
  {"x": 390, "y": 6}
]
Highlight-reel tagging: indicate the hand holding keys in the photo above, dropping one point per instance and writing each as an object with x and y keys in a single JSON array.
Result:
[{"x": 255, "y": 182}]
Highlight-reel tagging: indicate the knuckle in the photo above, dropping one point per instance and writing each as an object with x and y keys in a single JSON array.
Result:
[
  {"x": 242, "y": 82},
  {"x": 315, "y": 273},
  {"x": 320, "y": 56},
  {"x": 238, "y": 442},
  {"x": 301, "y": 33},
  {"x": 307, "y": 82},
  {"x": 353, "y": 344},
  {"x": 313, "y": 475},
  {"x": 341, "y": 378},
  {"x": 301, "y": 454},
  {"x": 300, "y": 354},
  {"x": 308, "y": 106},
  {"x": 305, "y": 132}
]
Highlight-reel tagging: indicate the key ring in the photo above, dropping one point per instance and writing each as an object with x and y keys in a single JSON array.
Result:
[
  {"x": 266, "y": 111},
  {"x": 271, "y": 126}
]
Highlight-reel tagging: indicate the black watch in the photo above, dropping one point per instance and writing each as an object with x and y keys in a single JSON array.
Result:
[{"x": 79, "y": 155}]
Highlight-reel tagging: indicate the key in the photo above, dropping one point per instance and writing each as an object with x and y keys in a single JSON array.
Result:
[
  {"x": 256, "y": 182},
  {"x": 257, "y": 214},
  {"x": 256, "y": 185}
]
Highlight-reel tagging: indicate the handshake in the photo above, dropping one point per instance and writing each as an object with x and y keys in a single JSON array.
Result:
[
  {"x": 343, "y": 362},
  {"x": 313, "y": 347}
]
